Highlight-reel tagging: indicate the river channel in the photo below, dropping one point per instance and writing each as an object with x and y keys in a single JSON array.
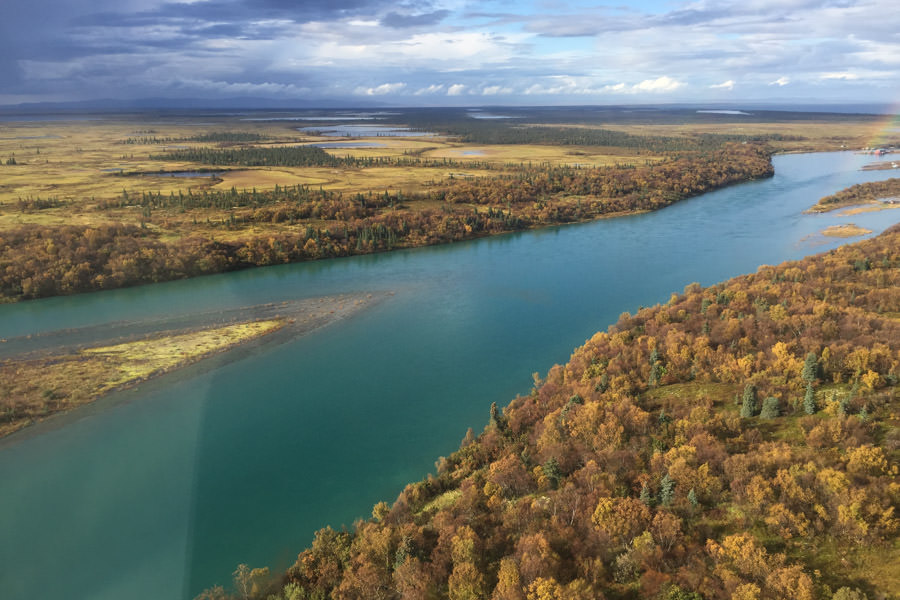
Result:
[{"x": 161, "y": 491}]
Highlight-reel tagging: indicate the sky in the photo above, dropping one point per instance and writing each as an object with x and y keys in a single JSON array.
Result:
[{"x": 452, "y": 52}]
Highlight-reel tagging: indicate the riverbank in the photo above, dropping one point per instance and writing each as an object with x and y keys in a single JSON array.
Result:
[
  {"x": 187, "y": 235},
  {"x": 45, "y": 375},
  {"x": 632, "y": 481},
  {"x": 873, "y": 195}
]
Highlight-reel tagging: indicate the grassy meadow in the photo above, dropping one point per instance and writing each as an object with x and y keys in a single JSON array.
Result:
[{"x": 538, "y": 168}]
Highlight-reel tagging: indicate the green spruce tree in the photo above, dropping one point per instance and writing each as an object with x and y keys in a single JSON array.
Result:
[
  {"x": 770, "y": 408},
  {"x": 809, "y": 400},
  {"x": 748, "y": 404},
  {"x": 666, "y": 490},
  {"x": 810, "y": 370}
]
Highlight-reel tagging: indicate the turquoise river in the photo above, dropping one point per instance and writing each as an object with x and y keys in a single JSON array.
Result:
[{"x": 160, "y": 492}]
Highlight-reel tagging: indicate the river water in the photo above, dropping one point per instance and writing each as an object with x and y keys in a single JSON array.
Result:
[{"x": 162, "y": 491}]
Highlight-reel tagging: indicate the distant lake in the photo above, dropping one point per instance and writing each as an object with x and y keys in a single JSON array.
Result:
[
  {"x": 364, "y": 131},
  {"x": 160, "y": 492},
  {"x": 724, "y": 112},
  {"x": 362, "y": 116},
  {"x": 480, "y": 115},
  {"x": 335, "y": 145}
]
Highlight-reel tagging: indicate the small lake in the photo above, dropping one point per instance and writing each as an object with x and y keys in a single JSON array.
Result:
[
  {"x": 352, "y": 130},
  {"x": 488, "y": 116},
  {"x": 160, "y": 492},
  {"x": 724, "y": 112},
  {"x": 336, "y": 145},
  {"x": 356, "y": 116}
]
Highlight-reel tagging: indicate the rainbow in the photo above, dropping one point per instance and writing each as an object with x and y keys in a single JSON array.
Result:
[{"x": 886, "y": 130}]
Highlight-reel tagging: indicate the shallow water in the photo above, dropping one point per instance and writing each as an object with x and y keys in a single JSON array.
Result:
[
  {"x": 338, "y": 145},
  {"x": 161, "y": 492},
  {"x": 364, "y": 131}
]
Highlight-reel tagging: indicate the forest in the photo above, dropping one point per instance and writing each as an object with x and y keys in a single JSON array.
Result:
[
  {"x": 739, "y": 442},
  {"x": 862, "y": 193},
  {"x": 38, "y": 260}
]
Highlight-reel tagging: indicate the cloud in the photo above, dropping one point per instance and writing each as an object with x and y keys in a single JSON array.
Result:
[
  {"x": 431, "y": 89},
  {"x": 660, "y": 84},
  {"x": 560, "y": 85},
  {"x": 349, "y": 48},
  {"x": 396, "y": 20},
  {"x": 846, "y": 76},
  {"x": 495, "y": 90},
  {"x": 380, "y": 90}
]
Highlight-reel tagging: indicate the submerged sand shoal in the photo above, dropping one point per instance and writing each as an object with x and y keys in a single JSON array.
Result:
[{"x": 48, "y": 374}]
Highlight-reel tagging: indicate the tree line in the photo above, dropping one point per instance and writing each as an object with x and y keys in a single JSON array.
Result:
[{"x": 39, "y": 261}]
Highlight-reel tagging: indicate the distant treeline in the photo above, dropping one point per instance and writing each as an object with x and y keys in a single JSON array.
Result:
[
  {"x": 514, "y": 131},
  {"x": 583, "y": 136},
  {"x": 307, "y": 156},
  {"x": 285, "y": 156},
  {"x": 218, "y": 136},
  {"x": 37, "y": 203}
]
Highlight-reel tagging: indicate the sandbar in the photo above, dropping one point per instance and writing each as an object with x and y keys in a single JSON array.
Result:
[{"x": 48, "y": 374}]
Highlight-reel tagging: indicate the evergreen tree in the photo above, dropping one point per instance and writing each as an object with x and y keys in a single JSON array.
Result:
[
  {"x": 809, "y": 400},
  {"x": 810, "y": 368},
  {"x": 497, "y": 419},
  {"x": 770, "y": 408},
  {"x": 646, "y": 498},
  {"x": 692, "y": 498},
  {"x": 748, "y": 405},
  {"x": 552, "y": 472},
  {"x": 666, "y": 490},
  {"x": 656, "y": 369}
]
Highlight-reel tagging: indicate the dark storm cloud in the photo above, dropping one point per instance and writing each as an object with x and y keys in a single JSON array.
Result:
[{"x": 239, "y": 11}]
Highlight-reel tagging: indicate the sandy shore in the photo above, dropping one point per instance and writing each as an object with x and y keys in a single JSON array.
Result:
[
  {"x": 47, "y": 375},
  {"x": 845, "y": 231}
]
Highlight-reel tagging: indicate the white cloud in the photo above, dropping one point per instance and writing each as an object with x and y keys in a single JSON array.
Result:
[
  {"x": 431, "y": 89},
  {"x": 380, "y": 90},
  {"x": 456, "y": 89},
  {"x": 846, "y": 76},
  {"x": 583, "y": 86},
  {"x": 660, "y": 84},
  {"x": 725, "y": 85},
  {"x": 494, "y": 90},
  {"x": 781, "y": 81}
]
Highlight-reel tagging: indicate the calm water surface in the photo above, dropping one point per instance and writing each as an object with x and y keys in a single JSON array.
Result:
[{"x": 161, "y": 492}]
